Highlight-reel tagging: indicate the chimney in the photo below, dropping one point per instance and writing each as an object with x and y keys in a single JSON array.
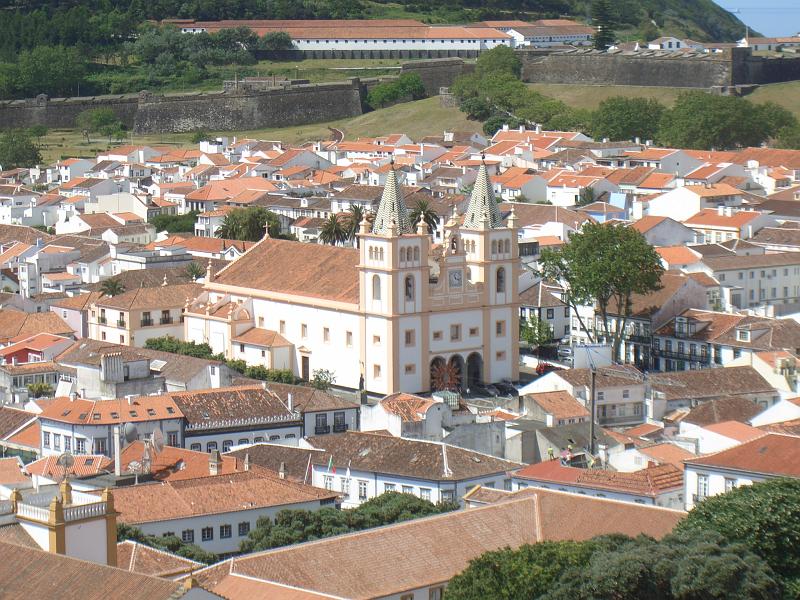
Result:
[
  {"x": 522, "y": 128},
  {"x": 538, "y": 128},
  {"x": 117, "y": 452},
  {"x": 83, "y": 392},
  {"x": 14, "y": 360},
  {"x": 214, "y": 463},
  {"x": 282, "y": 470},
  {"x": 129, "y": 398},
  {"x": 73, "y": 396},
  {"x": 505, "y": 126},
  {"x": 721, "y": 210},
  {"x": 290, "y": 401},
  {"x": 638, "y": 141},
  {"x": 247, "y": 462}
]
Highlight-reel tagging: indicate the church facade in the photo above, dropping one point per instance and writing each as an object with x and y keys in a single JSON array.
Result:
[{"x": 395, "y": 314}]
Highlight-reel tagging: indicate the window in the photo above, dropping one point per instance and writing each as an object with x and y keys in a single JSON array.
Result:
[
  {"x": 46, "y": 439},
  {"x": 67, "y": 444},
  {"x": 376, "y": 371},
  {"x": 303, "y": 331},
  {"x": 244, "y": 528},
  {"x": 500, "y": 328},
  {"x": 80, "y": 445},
  {"x": 437, "y": 335},
  {"x": 448, "y": 495},
  {"x": 376, "y": 287},
  {"x": 187, "y": 536},
  {"x": 344, "y": 484},
  {"x": 409, "y": 287},
  {"x": 328, "y": 480},
  {"x": 407, "y": 489},
  {"x": 473, "y": 331},
  {"x": 425, "y": 494},
  {"x": 348, "y": 339},
  {"x": 389, "y": 487},
  {"x": 455, "y": 333},
  {"x": 225, "y": 531},
  {"x": 282, "y": 327},
  {"x": 241, "y": 347},
  {"x": 566, "y": 312},
  {"x": 207, "y": 534},
  {"x": 601, "y": 395},
  {"x": 376, "y": 340},
  {"x": 550, "y": 314},
  {"x": 626, "y": 393},
  {"x": 729, "y": 484},
  {"x": 326, "y": 334},
  {"x": 226, "y": 445},
  {"x": 702, "y": 487},
  {"x": 210, "y": 446},
  {"x": 56, "y": 441},
  {"x": 500, "y": 280},
  {"x": 409, "y": 336},
  {"x": 410, "y": 369},
  {"x": 362, "y": 490},
  {"x": 500, "y": 355},
  {"x": 196, "y": 447}
]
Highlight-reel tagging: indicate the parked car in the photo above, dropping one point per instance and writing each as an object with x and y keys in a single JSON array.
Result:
[
  {"x": 565, "y": 352},
  {"x": 506, "y": 389}
]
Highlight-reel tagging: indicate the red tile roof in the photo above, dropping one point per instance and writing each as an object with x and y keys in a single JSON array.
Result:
[{"x": 772, "y": 454}]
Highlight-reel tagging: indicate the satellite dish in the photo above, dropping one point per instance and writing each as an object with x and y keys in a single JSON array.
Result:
[
  {"x": 65, "y": 461},
  {"x": 157, "y": 440},
  {"x": 135, "y": 466},
  {"x": 130, "y": 433}
]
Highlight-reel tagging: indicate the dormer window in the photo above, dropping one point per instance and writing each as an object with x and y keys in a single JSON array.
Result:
[{"x": 742, "y": 335}]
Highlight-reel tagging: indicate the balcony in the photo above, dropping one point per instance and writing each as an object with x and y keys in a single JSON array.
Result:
[
  {"x": 322, "y": 430},
  {"x": 166, "y": 321},
  {"x": 102, "y": 320},
  {"x": 638, "y": 338},
  {"x": 686, "y": 356},
  {"x": 613, "y": 421},
  {"x": 147, "y": 322},
  {"x": 341, "y": 428},
  {"x": 120, "y": 322}
]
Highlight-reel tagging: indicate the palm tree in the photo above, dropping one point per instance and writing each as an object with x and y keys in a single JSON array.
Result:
[
  {"x": 333, "y": 232},
  {"x": 194, "y": 271},
  {"x": 423, "y": 210},
  {"x": 355, "y": 215},
  {"x": 226, "y": 228},
  {"x": 112, "y": 287}
]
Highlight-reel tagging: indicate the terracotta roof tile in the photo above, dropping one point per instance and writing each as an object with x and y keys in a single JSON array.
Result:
[
  {"x": 11, "y": 471},
  {"x": 408, "y": 407},
  {"x": 771, "y": 454},
  {"x": 138, "y": 558},
  {"x": 735, "y": 430},
  {"x": 560, "y": 404},
  {"x": 723, "y": 409}
]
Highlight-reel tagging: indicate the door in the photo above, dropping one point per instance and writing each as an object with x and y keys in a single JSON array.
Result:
[{"x": 304, "y": 371}]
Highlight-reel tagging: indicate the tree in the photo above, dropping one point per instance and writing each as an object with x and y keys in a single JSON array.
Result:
[
  {"x": 765, "y": 517},
  {"x": 112, "y": 287},
  {"x": 52, "y": 70},
  {"x": 37, "y": 390},
  {"x": 37, "y": 131},
  {"x": 296, "y": 526},
  {"x": 711, "y": 122},
  {"x": 171, "y": 344},
  {"x": 527, "y": 572},
  {"x": 169, "y": 543},
  {"x": 604, "y": 265},
  {"x": 175, "y": 223},
  {"x": 501, "y": 59},
  {"x": 276, "y": 41},
  {"x": 355, "y": 215},
  {"x": 248, "y": 224},
  {"x": 422, "y": 210},
  {"x": 535, "y": 332},
  {"x": 789, "y": 138},
  {"x": 195, "y": 271},
  {"x": 18, "y": 150},
  {"x": 623, "y": 118},
  {"x": 200, "y": 135},
  {"x": 603, "y": 23},
  {"x": 586, "y": 196},
  {"x": 333, "y": 231},
  {"x": 406, "y": 86},
  {"x": 98, "y": 120},
  {"x": 322, "y": 379}
]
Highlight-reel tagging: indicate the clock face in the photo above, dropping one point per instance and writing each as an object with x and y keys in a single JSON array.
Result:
[{"x": 456, "y": 278}]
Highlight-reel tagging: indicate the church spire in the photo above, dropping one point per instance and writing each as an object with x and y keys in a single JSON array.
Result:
[
  {"x": 482, "y": 205},
  {"x": 392, "y": 208}
]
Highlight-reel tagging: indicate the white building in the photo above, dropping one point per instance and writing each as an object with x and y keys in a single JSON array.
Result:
[
  {"x": 388, "y": 316},
  {"x": 767, "y": 457}
]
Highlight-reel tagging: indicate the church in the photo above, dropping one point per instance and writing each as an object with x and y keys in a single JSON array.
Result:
[{"x": 395, "y": 314}]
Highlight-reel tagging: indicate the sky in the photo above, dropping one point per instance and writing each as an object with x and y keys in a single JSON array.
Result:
[{"x": 771, "y": 17}]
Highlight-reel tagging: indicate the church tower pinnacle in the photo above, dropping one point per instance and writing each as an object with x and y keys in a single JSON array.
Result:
[
  {"x": 482, "y": 206},
  {"x": 392, "y": 217}
]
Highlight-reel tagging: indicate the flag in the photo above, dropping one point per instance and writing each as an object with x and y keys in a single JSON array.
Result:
[{"x": 331, "y": 467}]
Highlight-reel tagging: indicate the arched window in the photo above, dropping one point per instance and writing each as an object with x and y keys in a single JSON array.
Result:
[
  {"x": 454, "y": 243},
  {"x": 416, "y": 253},
  {"x": 380, "y": 254},
  {"x": 371, "y": 253},
  {"x": 376, "y": 287},
  {"x": 409, "y": 287},
  {"x": 494, "y": 246},
  {"x": 501, "y": 280},
  {"x": 507, "y": 245},
  {"x": 402, "y": 255}
]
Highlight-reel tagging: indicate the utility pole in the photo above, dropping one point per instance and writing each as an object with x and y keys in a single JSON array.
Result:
[{"x": 592, "y": 449}]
